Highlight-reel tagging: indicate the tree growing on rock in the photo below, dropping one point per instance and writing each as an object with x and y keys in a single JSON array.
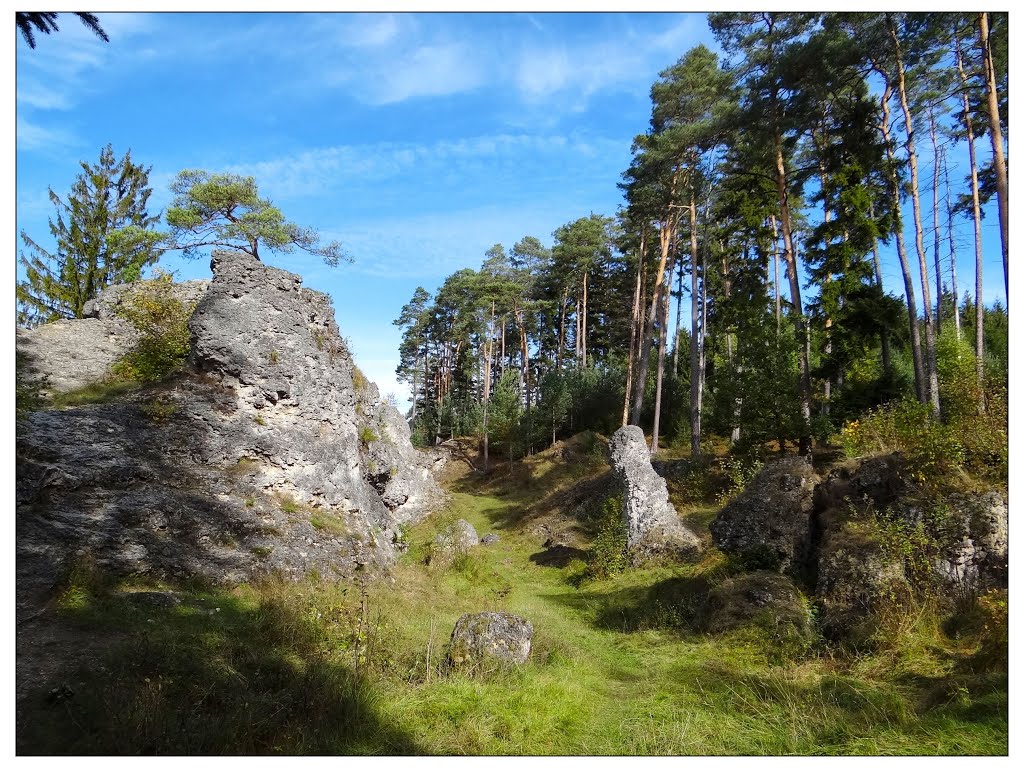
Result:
[
  {"x": 226, "y": 210},
  {"x": 103, "y": 233}
]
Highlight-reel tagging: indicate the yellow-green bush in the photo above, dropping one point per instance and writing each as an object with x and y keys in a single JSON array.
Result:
[
  {"x": 965, "y": 437},
  {"x": 162, "y": 322}
]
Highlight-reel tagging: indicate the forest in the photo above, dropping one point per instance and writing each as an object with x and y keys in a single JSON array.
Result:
[
  {"x": 760, "y": 197},
  {"x": 722, "y": 472}
]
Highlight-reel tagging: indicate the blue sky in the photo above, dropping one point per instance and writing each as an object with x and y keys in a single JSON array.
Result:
[{"x": 418, "y": 140}]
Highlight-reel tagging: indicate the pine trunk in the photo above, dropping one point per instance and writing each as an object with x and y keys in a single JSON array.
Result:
[
  {"x": 979, "y": 314},
  {"x": 695, "y": 356},
  {"x": 802, "y": 329},
  {"x": 996, "y": 134},
  {"x": 901, "y": 252},
  {"x": 662, "y": 339},
  {"x": 665, "y": 236}
]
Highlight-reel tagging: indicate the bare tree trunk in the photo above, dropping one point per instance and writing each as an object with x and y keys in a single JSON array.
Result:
[
  {"x": 778, "y": 293},
  {"x": 662, "y": 340},
  {"x": 901, "y": 251},
  {"x": 952, "y": 247},
  {"x": 931, "y": 371},
  {"x": 489, "y": 351},
  {"x": 935, "y": 219},
  {"x": 634, "y": 330},
  {"x": 583, "y": 342},
  {"x": 802, "y": 329},
  {"x": 665, "y": 236},
  {"x": 695, "y": 351},
  {"x": 561, "y": 329},
  {"x": 995, "y": 132},
  {"x": 979, "y": 313}
]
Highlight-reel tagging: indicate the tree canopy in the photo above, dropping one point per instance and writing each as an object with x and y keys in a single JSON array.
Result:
[
  {"x": 225, "y": 209},
  {"x": 103, "y": 233}
]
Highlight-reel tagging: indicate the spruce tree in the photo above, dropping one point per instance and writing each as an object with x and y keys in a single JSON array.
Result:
[{"x": 103, "y": 234}]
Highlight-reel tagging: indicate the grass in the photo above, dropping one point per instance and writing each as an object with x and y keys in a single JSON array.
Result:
[{"x": 619, "y": 666}]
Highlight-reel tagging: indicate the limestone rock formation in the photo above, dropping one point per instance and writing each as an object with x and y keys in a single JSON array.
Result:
[
  {"x": 769, "y": 522},
  {"x": 491, "y": 638},
  {"x": 653, "y": 526},
  {"x": 976, "y": 533},
  {"x": 401, "y": 475},
  {"x": 70, "y": 354},
  {"x": 249, "y": 462}
]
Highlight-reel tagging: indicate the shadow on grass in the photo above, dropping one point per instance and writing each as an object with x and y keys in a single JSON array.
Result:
[
  {"x": 210, "y": 676},
  {"x": 675, "y": 604}
]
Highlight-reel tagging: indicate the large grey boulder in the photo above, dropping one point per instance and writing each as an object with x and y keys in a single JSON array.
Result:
[
  {"x": 106, "y": 305},
  {"x": 491, "y": 639},
  {"x": 457, "y": 538},
  {"x": 974, "y": 531},
  {"x": 653, "y": 528},
  {"x": 768, "y": 524},
  {"x": 246, "y": 463},
  {"x": 66, "y": 355},
  {"x": 858, "y": 577}
]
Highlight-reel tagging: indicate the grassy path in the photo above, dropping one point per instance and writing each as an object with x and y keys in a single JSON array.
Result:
[{"x": 316, "y": 668}]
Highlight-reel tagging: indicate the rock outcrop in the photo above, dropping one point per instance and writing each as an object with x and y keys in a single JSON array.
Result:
[
  {"x": 401, "y": 475},
  {"x": 70, "y": 354},
  {"x": 480, "y": 640},
  {"x": 864, "y": 539},
  {"x": 768, "y": 524},
  {"x": 249, "y": 462},
  {"x": 653, "y": 528},
  {"x": 765, "y": 599}
]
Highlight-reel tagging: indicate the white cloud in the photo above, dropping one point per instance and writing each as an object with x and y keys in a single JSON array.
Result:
[
  {"x": 431, "y": 70},
  {"x": 31, "y": 136}
]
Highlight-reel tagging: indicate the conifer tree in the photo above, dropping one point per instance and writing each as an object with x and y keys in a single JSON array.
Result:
[{"x": 103, "y": 234}]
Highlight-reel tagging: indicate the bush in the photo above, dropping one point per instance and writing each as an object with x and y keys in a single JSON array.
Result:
[
  {"x": 905, "y": 427},
  {"x": 608, "y": 552},
  {"x": 162, "y": 322}
]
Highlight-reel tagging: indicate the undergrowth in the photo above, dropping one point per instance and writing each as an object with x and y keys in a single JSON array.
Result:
[{"x": 620, "y": 665}]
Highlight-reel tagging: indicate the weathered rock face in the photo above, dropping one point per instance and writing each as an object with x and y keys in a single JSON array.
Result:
[
  {"x": 105, "y": 306},
  {"x": 856, "y": 578},
  {"x": 843, "y": 537},
  {"x": 653, "y": 526},
  {"x": 70, "y": 354},
  {"x": 487, "y": 639},
  {"x": 769, "y": 522},
  {"x": 977, "y": 543},
  {"x": 247, "y": 463},
  {"x": 401, "y": 475}
]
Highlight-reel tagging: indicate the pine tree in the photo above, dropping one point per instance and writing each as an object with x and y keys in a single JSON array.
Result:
[{"x": 103, "y": 234}]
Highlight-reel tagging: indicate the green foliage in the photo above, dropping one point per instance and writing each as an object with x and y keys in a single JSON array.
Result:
[
  {"x": 608, "y": 551},
  {"x": 359, "y": 380},
  {"x": 224, "y": 209},
  {"x": 103, "y": 235},
  {"x": 367, "y": 436},
  {"x": 965, "y": 438},
  {"x": 738, "y": 471},
  {"x": 161, "y": 320},
  {"x": 160, "y": 409}
]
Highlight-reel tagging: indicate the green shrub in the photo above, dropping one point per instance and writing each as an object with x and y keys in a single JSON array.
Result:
[
  {"x": 905, "y": 427},
  {"x": 162, "y": 322},
  {"x": 608, "y": 552},
  {"x": 367, "y": 435}
]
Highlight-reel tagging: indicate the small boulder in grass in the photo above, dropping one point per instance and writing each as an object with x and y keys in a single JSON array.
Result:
[
  {"x": 489, "y": 639},
  {"x": 490, "y": 538}
]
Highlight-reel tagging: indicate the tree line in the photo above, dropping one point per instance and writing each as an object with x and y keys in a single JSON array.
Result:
[{"x": 799, "y": 155}]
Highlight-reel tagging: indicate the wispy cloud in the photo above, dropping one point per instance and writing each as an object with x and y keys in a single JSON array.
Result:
[{"x": 31, "y": 136}]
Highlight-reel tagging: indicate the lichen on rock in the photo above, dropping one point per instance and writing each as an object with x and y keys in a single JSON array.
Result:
[{"x": 653, "y": 527}]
